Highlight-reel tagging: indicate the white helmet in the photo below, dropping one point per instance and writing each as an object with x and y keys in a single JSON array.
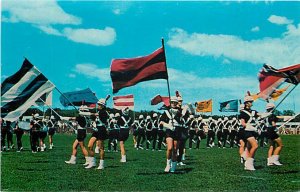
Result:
[
  {"x": 36, "y": 115},
  {"x": 141, "y": 117},
  {"x": 199, "y": 118},
  {"x": 210, "y": 118},
  {"x": 226, "y": 118},
  {"x": 52, "y": 117},
  {"x": 83, "y": 108},
  {"x": 148, "y": 117},
  {"x": 154, "y": 115},
  {"x": 270, "y": 106},
  {"x": 248, "y": 99},
  {"x": 174, "y": 99},
  {"x": 219, "y": 119},
  {"x": 111, "y": 115},
  {"x": 102, "y": 102},
  {"x": 191, "y": 116},
  {"x": 234, "y": 118},
  {"x": 179, "y": 98},
  {"x": 117, "y": 115},
  {"x": 125, "y": 111}
]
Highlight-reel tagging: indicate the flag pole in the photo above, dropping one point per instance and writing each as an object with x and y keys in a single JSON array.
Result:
[
  {"x": 284, "y": 98},
  {"x": 66, "y": 98},
  {"x": 163, "y": 46},
  {"x": 55, "y": 112}
]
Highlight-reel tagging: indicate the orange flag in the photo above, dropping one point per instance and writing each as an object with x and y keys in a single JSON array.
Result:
[
  {"x": 204, "y": 106},
  {"x": 278, "y": 92}
]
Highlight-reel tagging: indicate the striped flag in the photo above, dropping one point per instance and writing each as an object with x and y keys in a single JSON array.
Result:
[
  {"x": 270, "y": 78},
  {"x": 122, "y": 102},
  {"x": 47, "y": 98},
  {"x": 21, "y": 90},
  {"x": 128, "y": 72}
]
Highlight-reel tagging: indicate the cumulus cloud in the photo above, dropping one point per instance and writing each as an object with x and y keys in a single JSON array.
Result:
[
  {"x": 117, "y": 11},
  {"x": 45, "y": 14},
  {"x": 279, "y": 20},
  {"x": 37, "y": 12},
  {"x": 255, "y": 29},
  {"x": 91, "y": 36},
  {"x": 277, "y": 52},
  {"x": 92, "y": 71}
]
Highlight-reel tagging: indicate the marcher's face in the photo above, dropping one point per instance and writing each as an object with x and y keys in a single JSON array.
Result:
[
  {"x": 249, "y": 104},
  {"x": 173, "y": 104},
  {"x": 100, "y": 107}
]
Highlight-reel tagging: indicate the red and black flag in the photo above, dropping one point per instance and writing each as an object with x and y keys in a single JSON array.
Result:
[
  {"x": 128, "y": 72},
  {"x": 270, "y": 78}
]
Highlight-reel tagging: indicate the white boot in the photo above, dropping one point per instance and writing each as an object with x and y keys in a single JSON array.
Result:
[
  {"x": 123, "y": 159},
  {"x": 72, "y": 160},
  {"x": 50, "y": 146},
  {"x": 86, "y": 161},
  {"x": 168, "y": 167},
  {"x": 101, "y": 164},
  {"x": 42, "y": 149},
  {"x": 97, "y": 149},
  {"x": 249, "y": 164},
  {"x": 270, "y": 161},
  {"x": 183, "y": 157},
  {"x": 276, "y": 160},
  {"x": 92, "y": 163},
  {"x": 173, "y": 166}
]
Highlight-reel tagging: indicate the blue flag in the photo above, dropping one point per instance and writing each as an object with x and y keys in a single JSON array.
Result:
[
  {"x": 82, "y": 97},
  {"x": 229, "y": 106}
]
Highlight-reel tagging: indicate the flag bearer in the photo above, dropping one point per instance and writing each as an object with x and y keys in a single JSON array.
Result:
[
  {"x": 275, "y": 141},
  {"x": 247, "y": 117},
  {"x": 170, "y": 120}
]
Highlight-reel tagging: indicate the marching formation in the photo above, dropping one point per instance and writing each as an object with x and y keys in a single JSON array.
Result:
[{"x": 176, "y": 129}]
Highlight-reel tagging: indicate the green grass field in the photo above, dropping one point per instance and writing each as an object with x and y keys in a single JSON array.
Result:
[{"x": 206, "y": 170}]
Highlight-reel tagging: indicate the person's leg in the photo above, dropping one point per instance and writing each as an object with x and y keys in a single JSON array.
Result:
[
  {"x": 102, "y": 153},
  {"x": 74, "y": 153},
  {"x": 169, "y": 141},
  {"x": 90, "y": 152}
]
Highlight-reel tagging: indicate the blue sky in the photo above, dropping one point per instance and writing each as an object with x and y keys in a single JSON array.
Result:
[{"x": 213, "y": 49}]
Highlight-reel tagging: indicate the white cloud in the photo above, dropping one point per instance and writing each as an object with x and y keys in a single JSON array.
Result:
[
  {"x": 255, "y": 29},
  {"x": 92, "y": 71},
  {"x": 277, "y": 52},
  {"x": 279, "y": 20},
  {"x": 91, "y": 36},
  {"x": 49, "y": 30},
  {"x": 37, "y": 12},
  {"x": 72, "y": 75},
  {"x": 117, "y": 11}
]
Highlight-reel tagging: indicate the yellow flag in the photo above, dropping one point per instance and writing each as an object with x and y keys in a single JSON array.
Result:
[
  {"x": 204, "y": 106},
  {"x": 278, "y": 92}
]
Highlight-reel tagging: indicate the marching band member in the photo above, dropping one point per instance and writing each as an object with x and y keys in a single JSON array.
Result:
[
  {"x": 134, "y": 128},
  {"x": 225, "y": 133},
  {"x": 35, "y": 126},
  {"x": 51, "y": 125},
  {"x": 219, "y": 132},
  {"x": 233, "y": 131},
  {"x": 124, "y": 124},
  {"x": 274, "y": 139},
  {"x": 155, "y": 121},
  {"x": 43, "y": 134},
  {"x": 141, "y": 132},
  {"x": 161, "y": 136},
  {"x": 148, "y": 126},
  {"x": 113, "y": 132},
  {"x": 200, "y": 133},
  {"x": 247, "y": 117},
  {"x": 170, "y": 120},
  {"x": 211, "y": 132},
  {"x": 19, "y": 133},
  {"x": 100, "y": 134},
  {"x": 192, "y": 131},
  {"x": 81, "y": 123}
]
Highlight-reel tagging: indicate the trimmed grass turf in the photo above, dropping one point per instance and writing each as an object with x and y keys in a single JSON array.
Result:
[{"x": 206, "y": 170}]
